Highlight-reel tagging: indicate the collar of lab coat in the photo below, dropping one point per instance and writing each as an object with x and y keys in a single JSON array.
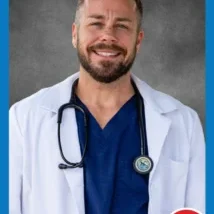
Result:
[{"x": 60, "y": 94}]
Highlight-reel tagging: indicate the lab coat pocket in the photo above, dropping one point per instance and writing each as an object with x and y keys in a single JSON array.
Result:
[{"x": 170, "y": 183}]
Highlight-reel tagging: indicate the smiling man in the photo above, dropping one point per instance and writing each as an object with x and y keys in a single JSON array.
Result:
[
  {"x": 107, "y": 36},
  {"x": 103, "y": 141}
]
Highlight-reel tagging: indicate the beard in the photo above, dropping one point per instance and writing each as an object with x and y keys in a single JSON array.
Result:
[{"x": 106, "y": 71}]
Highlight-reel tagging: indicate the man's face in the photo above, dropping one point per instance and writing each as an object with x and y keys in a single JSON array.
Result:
[{"x": 107, "y": 38}]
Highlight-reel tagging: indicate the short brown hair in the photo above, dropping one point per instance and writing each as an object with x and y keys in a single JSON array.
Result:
[{"x": 139, "y": 4}]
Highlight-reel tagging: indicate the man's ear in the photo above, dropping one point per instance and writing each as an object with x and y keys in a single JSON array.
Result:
[
  {"x": 74, "y": 35},
  {"x": 139, "y": 40}
]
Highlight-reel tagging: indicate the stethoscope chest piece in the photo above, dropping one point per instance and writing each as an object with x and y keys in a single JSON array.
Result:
[{"x": 143, "y": 164}]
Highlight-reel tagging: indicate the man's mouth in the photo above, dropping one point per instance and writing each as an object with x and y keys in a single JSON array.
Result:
[{"x": 107, "y": 53}]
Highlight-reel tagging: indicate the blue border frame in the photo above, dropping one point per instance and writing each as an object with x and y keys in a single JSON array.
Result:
[
  {"x": 209, "y": 106},
  {"x": 4, "y": 105},
  {"x": 4, "y": 74}
]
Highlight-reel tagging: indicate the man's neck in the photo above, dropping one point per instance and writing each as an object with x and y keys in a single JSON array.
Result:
[{"x": 105, "y": 96}]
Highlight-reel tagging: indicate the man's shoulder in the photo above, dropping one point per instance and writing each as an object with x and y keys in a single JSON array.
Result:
[
  {"x": 180, "y": 108},
  {"x": 164, "y": 99},
  {"x": 164, "y": 103},
  {"x": 31, "y": 100},
  {"x": 170, "y": 107},
  {"x": 42, "y": 97}
]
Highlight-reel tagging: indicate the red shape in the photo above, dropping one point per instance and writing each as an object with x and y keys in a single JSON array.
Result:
[{"x": 186, "y": 211}]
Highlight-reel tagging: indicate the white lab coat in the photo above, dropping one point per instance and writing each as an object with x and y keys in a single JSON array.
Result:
[{"x": 38, "y": 186}]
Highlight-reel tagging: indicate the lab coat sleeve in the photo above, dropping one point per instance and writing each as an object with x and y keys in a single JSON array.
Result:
[
  {"x": 195, "y": 192},
  {"x": 15, "y": 163}
]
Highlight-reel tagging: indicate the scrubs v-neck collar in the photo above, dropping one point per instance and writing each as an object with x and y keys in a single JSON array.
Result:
[{"x": 117, "y": 119}]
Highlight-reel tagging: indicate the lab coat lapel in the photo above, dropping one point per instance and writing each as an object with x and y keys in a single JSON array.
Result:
[
  {"x": 71, "y": 150},
  {"x": 54, "y": 99},
  {"x": 157, "y": 123},
  {"x": 157, "y": 127}
]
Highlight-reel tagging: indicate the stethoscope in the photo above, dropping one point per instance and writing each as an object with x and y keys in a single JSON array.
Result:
[{"x": 142, "y": 164}]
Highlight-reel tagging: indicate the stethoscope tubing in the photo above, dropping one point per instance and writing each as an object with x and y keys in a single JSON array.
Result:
[
  {"x": 59, "y": 121},
  {"x": 142, "y": 125}
]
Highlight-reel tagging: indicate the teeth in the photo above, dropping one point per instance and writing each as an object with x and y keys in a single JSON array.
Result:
[{"x": 106, "y": 54}]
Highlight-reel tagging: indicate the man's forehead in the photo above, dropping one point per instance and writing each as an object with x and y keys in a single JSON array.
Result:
[{"x": 113, "y": 5}]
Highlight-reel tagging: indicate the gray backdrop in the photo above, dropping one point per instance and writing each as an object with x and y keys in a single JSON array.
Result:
[{"x": 171, "y": 57}]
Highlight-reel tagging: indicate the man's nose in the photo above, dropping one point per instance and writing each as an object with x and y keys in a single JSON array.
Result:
[{"x": 108, "y": 35}]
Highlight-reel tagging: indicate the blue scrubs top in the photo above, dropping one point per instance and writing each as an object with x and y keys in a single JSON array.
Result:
[{"x": 111, "y": 184}]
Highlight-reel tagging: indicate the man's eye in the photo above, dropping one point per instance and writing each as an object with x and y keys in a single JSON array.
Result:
[
  {"x": 96, "y": 24},
  {"x": 122, "y": 26}
]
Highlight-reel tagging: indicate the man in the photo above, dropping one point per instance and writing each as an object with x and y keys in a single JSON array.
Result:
[{"x": 46, "y": 145}]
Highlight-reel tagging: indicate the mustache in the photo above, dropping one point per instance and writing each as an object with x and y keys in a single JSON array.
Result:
[{"x": 101, "y": 46}]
